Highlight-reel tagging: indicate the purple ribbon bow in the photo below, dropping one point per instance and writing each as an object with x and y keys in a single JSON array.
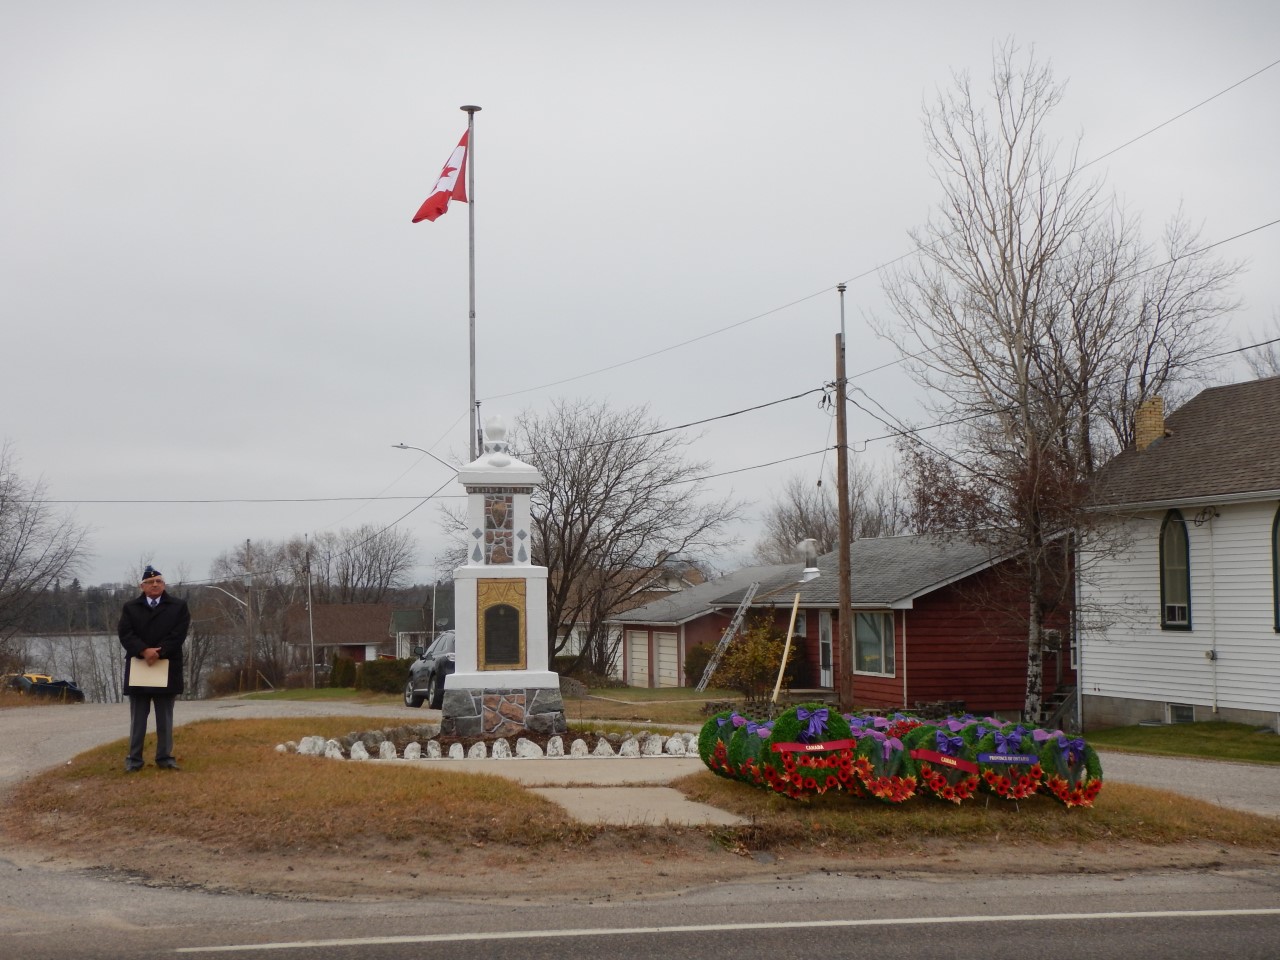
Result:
[
  {"x": 1072, "y": 750},
  {"x": 738, "y": 719},
  {"x": 761, "y": 730},
  {"x": 890, "y": 745},
  {"x": 817, "y": 720},
  {"x": 1007, "y": 743},
  {"x": 949, "y": 746}
]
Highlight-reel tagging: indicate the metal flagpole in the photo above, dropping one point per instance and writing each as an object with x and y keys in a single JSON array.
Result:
[{"x": 471, "y": 110}]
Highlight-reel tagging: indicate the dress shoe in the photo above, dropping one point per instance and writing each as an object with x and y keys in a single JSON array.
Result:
[
  {"x": 132, "y": 769},
  {"x": 169, "y": 765}
]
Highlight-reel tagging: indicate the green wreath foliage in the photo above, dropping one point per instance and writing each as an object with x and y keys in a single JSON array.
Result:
[
  {"x": 798, "y": 774},
  {"x": 732, "y": 746},
  {"x": 746, "y": 751},
  {"x": 1073, "y": 772},
  {"x": 1011, "y": 781}
]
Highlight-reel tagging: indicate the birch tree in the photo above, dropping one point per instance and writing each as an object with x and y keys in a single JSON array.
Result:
[{"x": 1037, "y": 319}]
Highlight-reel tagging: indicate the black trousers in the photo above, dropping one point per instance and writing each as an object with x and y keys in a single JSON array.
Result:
[{"x": 140, "y": 705}]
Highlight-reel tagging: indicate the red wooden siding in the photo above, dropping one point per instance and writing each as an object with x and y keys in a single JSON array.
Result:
[{"x": 956, "y": 650}]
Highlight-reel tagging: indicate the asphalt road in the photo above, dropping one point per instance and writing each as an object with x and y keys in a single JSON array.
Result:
[
  {"x": 48, "y": 915},
  {"x": 49, "y": 912}
]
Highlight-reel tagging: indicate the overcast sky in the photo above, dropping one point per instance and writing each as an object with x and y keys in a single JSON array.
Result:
[{"x": 212, "y": 289}]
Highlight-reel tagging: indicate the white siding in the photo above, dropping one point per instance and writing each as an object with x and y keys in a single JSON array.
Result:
[
  {"x": 1126, "y": 654},
  {"x": 638, "y": 658},
  {"x": 668, "y": 660}
]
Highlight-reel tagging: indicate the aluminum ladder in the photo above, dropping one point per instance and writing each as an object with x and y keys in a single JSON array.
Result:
[{"x": 730, "y": 632}]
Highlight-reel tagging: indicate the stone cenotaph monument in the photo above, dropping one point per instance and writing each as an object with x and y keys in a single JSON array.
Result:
[{"x": 501, "y": 685}]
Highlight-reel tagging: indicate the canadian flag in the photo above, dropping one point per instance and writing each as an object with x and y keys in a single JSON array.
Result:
[{"x": 452, "y": 185}]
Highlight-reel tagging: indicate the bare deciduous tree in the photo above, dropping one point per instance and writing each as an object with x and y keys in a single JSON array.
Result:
[
  {"x": 1264, "y": 361},
  {"x": 1037, "y": 318},
  {"x": 38, "y": 545},
  {"x": 355, "y": 566},
  {"x": 805, "y": 509},
  {"x": 618, "y": 500}
]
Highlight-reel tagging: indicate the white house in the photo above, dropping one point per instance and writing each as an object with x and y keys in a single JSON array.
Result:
[{"x": 1189, "y": 600}]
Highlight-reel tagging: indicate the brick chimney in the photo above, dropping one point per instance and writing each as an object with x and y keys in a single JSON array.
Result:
[{"x": 1148, "y": 423}]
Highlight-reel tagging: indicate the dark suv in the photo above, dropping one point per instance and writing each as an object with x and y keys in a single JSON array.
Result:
[{"x": 427, "y": 673}]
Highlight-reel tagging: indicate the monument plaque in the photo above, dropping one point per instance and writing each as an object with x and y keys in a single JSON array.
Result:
[{"x": 501, "y": 636}]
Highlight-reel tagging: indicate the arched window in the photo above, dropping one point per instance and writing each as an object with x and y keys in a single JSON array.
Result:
[{"x": 1175, "y": 574}]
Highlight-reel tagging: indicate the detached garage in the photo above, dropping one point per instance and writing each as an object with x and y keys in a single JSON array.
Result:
[{"x": 657, "y": 636}]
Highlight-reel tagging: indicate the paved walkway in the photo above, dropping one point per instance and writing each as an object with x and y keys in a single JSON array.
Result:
[{"x": 594, "y": 790}]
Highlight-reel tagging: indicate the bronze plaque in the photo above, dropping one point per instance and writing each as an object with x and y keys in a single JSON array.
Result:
[
  {"x": 502, "y": 635},
  {"x": 500, "y": 625}
]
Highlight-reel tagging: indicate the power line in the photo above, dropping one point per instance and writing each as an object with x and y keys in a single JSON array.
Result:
[
  {"x": 758, "y": 466},
  {"x": 866, "y": 273},
  {"x": 594, "y": 443}
]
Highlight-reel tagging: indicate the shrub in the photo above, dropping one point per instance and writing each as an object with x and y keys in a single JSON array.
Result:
[
  {"x": 343, "y": 673},
  {"x": 695, "y": 663},
  {"x": 383, "y": 676},
  {"x": 750, "y": 664}
]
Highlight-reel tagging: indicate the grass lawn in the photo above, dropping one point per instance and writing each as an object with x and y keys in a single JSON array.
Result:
[
  {"x": 1214, "y": 740},
  {"x": 238, "y": 796}
]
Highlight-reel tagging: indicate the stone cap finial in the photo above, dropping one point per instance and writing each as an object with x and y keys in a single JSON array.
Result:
[{"x": 495, "y": 441}]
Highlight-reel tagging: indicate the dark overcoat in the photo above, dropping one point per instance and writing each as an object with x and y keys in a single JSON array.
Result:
[{"x": 164, "y": 626}]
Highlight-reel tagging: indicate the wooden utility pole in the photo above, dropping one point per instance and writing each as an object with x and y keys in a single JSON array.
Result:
[
  {"x": 248, "y": 617},
  {"x": 842, "y": 656}
]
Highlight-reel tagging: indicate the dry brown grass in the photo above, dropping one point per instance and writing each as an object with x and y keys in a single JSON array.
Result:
[
  {"x": 241, "y": 815},
  {"x": 682, "y": 712},
  {"x": 1123, "y": 812},
  {"x": 11, "y": 699},
  {"x": 236, "y": 794}
]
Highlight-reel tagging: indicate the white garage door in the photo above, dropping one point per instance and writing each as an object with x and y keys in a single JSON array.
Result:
[
  {"x": 638, "y": 658},
  {"x": 668, "y": 659}
]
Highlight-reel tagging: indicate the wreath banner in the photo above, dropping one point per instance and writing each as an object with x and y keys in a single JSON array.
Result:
[
  {"x": 813, "y": 747},
  {"x": 933, "y": 756}
]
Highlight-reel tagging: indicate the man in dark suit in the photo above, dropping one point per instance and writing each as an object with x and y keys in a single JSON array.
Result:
[{"x": 153, "y": 628}]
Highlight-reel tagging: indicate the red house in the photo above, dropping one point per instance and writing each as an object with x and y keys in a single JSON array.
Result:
[{"x": 935, "y": 619}]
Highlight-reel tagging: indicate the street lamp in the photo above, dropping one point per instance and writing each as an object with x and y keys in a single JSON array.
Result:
[
  {"x": 248, "y": 619},
  {"x": 214, "y": 586},
  {"x": 409, "y": 446}
]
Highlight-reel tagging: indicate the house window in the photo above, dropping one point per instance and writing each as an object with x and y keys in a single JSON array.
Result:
[
  {"x": 1182, "y": 713},
  {"x": 1175, "y": 574},
  {"x": 873, "y": 644}
]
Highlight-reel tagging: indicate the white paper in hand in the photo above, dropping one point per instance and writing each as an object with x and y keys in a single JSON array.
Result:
[{"x": 142, "y": 674}]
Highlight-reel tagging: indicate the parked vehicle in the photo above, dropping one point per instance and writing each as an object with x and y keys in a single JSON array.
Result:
[
  {"x": 44, "y": 686},
  {"x": 427, "y": 673}
]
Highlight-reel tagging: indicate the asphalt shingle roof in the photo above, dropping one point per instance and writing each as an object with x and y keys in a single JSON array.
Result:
[
  {"x": 695, "y": 601},
  {"x": 1224, "y": 441},
  {"x": 884, "y": 571}
]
